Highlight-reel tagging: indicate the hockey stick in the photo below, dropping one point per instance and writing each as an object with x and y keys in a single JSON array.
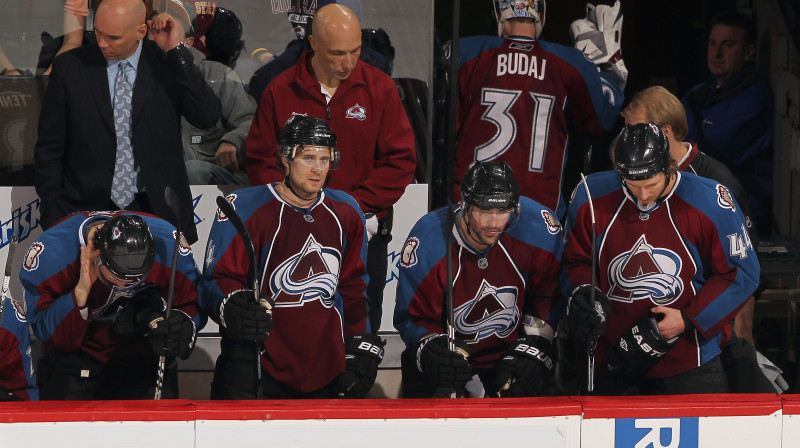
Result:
[
  {"x": 227, "y": 209},
  {"x": 592, "y": 344},
  {"x": 172, "y": 202},
  {"x": 12, "y": 245},
  {"x": 449, "y": 184}
]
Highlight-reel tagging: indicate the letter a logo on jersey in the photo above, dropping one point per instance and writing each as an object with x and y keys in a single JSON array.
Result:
[
  {"x": 312, "y": 274},
  {"x": 493, "y": 310},
  {"x": 646, "y": 272}
]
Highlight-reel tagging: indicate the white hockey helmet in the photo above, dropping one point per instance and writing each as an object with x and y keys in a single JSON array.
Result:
[{"x": 530, "y": 9}]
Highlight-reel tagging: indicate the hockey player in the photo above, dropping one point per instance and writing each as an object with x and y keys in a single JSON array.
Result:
[
  {"x": 16, "y": 366},
  {"x": 311, "y": 246},
  {"x": 517, "y": 93},
  {"x": 506, "y": 252},
  {"x": 675, "y": 264},
  {"x": 658, "y": 105},
  {"x": 96, "y": 286}
]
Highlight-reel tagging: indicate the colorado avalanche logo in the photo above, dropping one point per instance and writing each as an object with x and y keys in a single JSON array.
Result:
[
  {"x": 553, "y": 226},
  {"x": 646, "y": 272},
  {"x": 408, "y": 257},
  {"x": 493, "y": 310},
  {"x": 31, "y": 262},
  {"x": 724, "y": 198},
  {"x": 312, "y": 274},
  {"x": 230, "y": 198},
  {"x": 358, "y": 112},
  {"x": 183, "y": 245}
]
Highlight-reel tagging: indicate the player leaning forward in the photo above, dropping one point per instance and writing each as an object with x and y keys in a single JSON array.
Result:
[
  {"x": 505, "y": 252},
  {"x": 674, "y": 266},
  {"x": 311, "y": 246},
  {"x": 96, "y": 285}
]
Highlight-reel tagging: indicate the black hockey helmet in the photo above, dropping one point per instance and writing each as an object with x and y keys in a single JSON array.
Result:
[
  {"x": 642, "y": 152},
  {"x": 126, "y": 247},
  {"x": 301, "y": 130},
  {"x": 491, "y": 185}
]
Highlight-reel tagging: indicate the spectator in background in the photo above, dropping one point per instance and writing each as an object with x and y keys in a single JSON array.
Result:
[
  {"x": 224, "y": 37},
  {"x": 730, "y": 116},
  {"x": 301, "y": 18},
  {"x": 362, "y": 106},
  {"x": 216, "y": 155},
  {"x": 84, "y": 149}
]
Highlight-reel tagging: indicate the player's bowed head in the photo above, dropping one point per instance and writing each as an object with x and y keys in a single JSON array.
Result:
[
  {"x": 489, "y": 201},
  {"x": 642, "y": 159}
]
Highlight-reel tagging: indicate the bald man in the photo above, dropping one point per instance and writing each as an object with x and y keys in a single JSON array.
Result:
[
  {"x": 80, "y": 141},
  {"x": 362, "y": 106}
]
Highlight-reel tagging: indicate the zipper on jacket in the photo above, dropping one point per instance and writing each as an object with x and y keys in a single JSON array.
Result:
[{"x": 328, "y": 110}]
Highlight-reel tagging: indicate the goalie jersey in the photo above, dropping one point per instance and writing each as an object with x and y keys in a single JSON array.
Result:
[
  {"x": 516, "y": 97},
  {"x": 492, "y": 291},
  {"x": 690, "y": 252},
  {"x": 311, "y": 262}
]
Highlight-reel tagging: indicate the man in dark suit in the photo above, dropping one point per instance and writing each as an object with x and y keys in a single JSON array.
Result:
[{"x": 78, "y": 153}]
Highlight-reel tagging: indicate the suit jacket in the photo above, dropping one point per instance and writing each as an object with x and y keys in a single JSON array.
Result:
[{"x": 76, "y": 150}]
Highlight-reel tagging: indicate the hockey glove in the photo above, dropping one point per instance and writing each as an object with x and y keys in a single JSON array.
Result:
[
  {"x": 599, "y": 36},
  {"x": 527, "y": 368},
  {"x": 445, "y": 368},
  {"x": 584, "y": 321},
  {"x": 243, "y": 318},
  {"x": 173, "y": 336},
  {"x": 7, "y": 395},
  {"x": 135, "y": 313},
  {"x": 639, "y": 349},
  {"x": 363, "y": 353}
]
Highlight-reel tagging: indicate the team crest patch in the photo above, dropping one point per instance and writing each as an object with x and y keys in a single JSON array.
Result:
[
  {"x": 724, "y": 198},
  {"x": 408, "y": 256},
  {"x": 230, "y": 198},
  {"x": 553, "y": 226},
  {"x": 358, "y": 112},
  {"x": 31, "y": 262},
  {"x": 183, "y": 245},
  {"x": 18, "y": 311}
]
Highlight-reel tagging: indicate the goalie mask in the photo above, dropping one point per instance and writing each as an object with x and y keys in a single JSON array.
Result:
[
  {"x": 522, "y": 9},
  {"x": 642, "y": 152},
  {"x": 490, "y": 186},
  {"x": 126, "y": 248},
  {"x": 300, "y": 131}
]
